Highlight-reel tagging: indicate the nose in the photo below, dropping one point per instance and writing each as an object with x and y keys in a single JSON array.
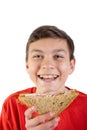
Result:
[{"x": 48, "y": 64}]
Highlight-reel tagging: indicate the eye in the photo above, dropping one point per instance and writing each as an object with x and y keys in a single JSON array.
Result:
[
  {"x": 37, "y": 56},
  {"x": 58, "y": 57}
]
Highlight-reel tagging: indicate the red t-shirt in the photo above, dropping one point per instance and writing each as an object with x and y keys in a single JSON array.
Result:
[{"x": 72, "y": 118}]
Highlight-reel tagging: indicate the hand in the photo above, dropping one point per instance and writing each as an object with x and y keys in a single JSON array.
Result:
[{"x": 39, "y": 122}]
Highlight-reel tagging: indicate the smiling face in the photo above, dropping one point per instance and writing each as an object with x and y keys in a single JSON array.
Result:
[{"x": 49, "y": 64}]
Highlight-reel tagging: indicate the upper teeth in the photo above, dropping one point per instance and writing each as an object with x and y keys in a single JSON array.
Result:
[{"x": 48, "y": 76}]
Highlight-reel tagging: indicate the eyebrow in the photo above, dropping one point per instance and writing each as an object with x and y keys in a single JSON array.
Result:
[
  {"x": 59, "y": 50},
  {"x": 36, "y": 50},
  {"x": 54, "y": 51}
]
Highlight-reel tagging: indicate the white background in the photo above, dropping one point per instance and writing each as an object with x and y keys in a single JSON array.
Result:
[{"x": 18, "y": 18}]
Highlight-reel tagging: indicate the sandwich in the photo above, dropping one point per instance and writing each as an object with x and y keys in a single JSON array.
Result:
[{"x": 49, "y": 102}]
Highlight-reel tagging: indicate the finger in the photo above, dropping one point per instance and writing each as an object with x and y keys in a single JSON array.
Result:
[
  {"x": 39, "y": 119},
  {"x": 50, "y": 125},
  {"x": 55, "y": 123},
  {"x": 29, "y": 112}
]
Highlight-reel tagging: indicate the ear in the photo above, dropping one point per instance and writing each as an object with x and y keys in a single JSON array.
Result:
[
  {"x": 27, "y": 66},
  {"x": 72, "y": 65}
]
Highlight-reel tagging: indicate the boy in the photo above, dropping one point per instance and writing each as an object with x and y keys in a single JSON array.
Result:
[{"x": 49, "y": 61}]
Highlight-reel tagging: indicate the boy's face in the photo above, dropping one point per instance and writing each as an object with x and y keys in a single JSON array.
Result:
[{"x": 49, "y": 64}]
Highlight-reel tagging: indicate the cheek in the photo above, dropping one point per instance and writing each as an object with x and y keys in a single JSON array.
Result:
[
  {"x": 33, "y": 70},
  {"x": 32, "y": 74},
  {"x": 64, "y": 69}
]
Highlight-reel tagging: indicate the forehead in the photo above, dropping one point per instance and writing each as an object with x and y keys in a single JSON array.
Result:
[{"x": 49, "y": 44}]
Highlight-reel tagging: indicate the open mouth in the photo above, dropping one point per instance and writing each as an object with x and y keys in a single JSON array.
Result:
[{"x": 48, "y": 77}]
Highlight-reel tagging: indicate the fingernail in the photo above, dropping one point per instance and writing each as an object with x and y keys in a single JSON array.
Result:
[
  {"x": 33, "y": 108},
  {"x": 52, "y": 113},
  {"x": 57, "y": 119}
]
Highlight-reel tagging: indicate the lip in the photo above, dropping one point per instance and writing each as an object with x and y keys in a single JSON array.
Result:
[{"x": 48, "y": 77}]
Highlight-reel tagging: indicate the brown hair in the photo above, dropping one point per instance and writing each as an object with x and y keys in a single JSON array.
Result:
[{"x": 48, "y": 31}]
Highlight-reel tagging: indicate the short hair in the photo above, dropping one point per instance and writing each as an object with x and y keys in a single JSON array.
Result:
[{"x": 48, "y": 31}]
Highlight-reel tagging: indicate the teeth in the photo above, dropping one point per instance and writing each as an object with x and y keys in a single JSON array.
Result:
[{"x": 48, "y": 76}]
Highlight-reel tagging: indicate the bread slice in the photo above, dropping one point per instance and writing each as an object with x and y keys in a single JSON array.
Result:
[{"x": 46, "y": 103}]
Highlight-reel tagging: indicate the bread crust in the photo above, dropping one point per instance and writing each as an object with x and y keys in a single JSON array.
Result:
[{"x": 46, "y": 103}]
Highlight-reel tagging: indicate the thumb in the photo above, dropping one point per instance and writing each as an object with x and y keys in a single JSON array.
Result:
[{"x": 29, "y": 112}]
